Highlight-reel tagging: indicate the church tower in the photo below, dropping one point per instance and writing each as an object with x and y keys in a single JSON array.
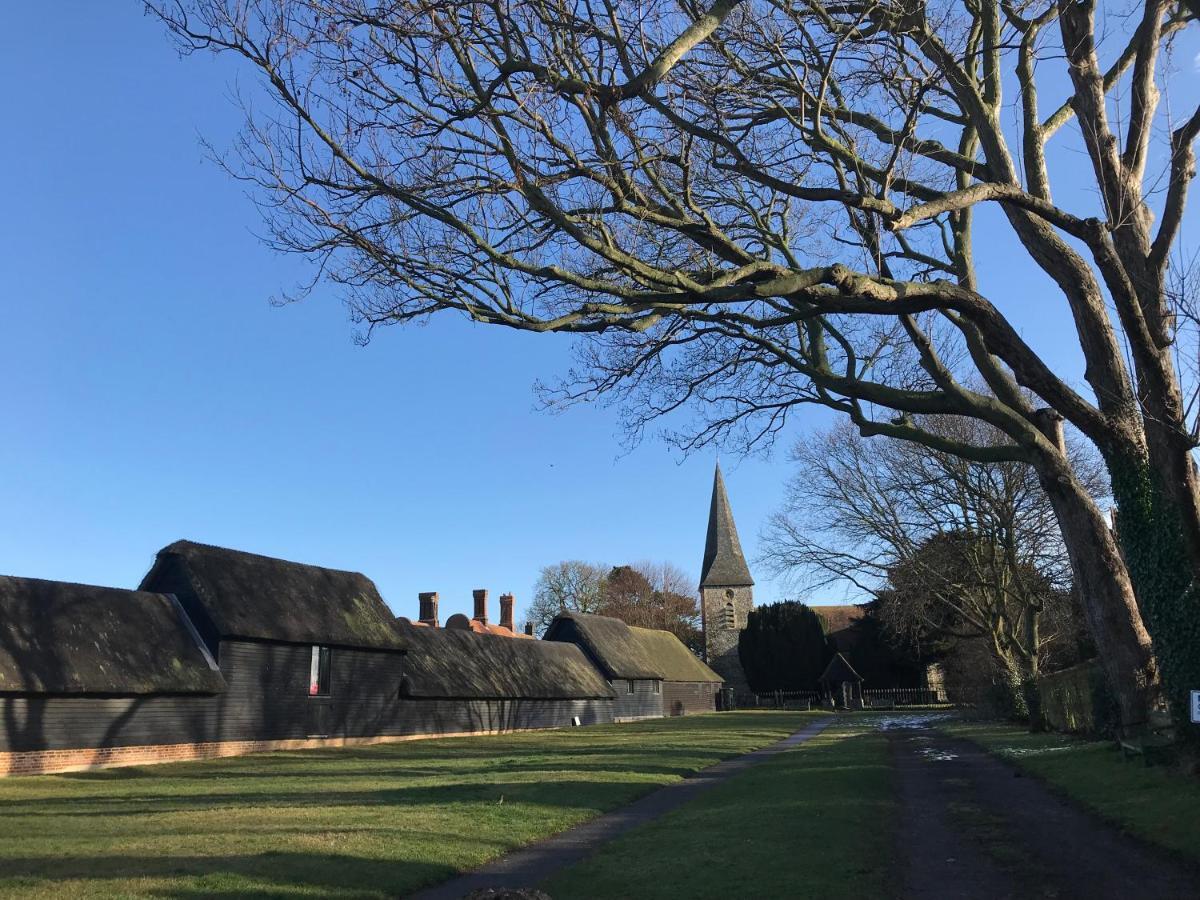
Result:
[{"x": 726, "y": 590}]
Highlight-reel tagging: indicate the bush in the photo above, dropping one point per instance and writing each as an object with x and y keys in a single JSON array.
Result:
[{"x": 783, "y": 648}]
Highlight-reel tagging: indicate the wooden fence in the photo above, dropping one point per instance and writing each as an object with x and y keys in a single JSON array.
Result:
[
  {"x": 879, "y": 698},
  {"x": 887, "y": 698}
]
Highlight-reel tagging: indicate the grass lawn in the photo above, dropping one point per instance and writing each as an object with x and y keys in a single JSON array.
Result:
[
  {"x": 367, "y": 822},
  {"x": 1153, "y": 803},
  {"x": 816, "y": 821}
]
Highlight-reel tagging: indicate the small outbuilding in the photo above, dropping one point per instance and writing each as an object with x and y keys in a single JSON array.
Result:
[
  {"x": 841, "y": 684},
  {"x": 650, "y": 670}
]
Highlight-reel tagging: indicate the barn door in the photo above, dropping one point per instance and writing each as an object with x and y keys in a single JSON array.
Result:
[{"x": 319, "y": 713}]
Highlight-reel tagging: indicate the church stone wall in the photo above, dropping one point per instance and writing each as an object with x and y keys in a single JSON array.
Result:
[{"x": 726, "y": 610}]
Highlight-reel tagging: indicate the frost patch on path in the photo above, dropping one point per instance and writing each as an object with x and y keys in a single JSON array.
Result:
[
  {"x": 936, "y": 755},
  {"x": 910, "y": 720}
]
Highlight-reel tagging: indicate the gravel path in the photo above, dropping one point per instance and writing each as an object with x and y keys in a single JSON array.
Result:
[{"x": 974, "y": 827}]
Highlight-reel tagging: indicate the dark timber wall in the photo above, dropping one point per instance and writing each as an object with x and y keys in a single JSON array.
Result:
[
  {"x": 644, "y": 701},
  {"x": 267, "y": 700},
  {"x": 683, "y": 698}
]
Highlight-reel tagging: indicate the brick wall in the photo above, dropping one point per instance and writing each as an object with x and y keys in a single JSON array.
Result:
[{"x": 46, "y": 762}]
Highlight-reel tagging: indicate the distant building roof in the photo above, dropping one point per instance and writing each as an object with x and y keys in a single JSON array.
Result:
[
  {"x": 450, "y": 663},
  {"x": 459, "y": 622},
  {"x": 60, "y": 638},
  {"x": 626, "y": 651},
  {"x": 246, "y": 595},
  {"x": 841, "y": 624},
  {"x": 724, "y": 565},
  {"x": 839, "y": 670}
]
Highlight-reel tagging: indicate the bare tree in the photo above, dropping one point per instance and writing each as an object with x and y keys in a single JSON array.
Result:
[
  {"x": 768, "y": 203},
  {"x": 948, "y": 546},
  {"x": 568, "y": 586}
]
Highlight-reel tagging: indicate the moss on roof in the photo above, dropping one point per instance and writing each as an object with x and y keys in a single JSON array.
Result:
[
  {"x": 443, "y": 663},
  {"x": 672, "y": 658},
  {"x": 260, "y": 597},
  {"x": 626, "y": 651},
  {"x": 61, "y": 638}
]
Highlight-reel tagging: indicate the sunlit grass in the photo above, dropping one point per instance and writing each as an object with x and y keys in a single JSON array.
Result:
[
  {"x": 367, "y": 822},
  {"x": 817, "y": 821}
]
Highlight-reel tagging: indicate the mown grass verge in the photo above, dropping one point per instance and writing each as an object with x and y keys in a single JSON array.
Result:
[
  {"x": 815, "y": 821},
  {"x": 368, "y": 822},
  {"x": 1155, "y": 804}
]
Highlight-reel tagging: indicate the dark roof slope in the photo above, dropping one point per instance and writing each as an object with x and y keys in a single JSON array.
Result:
[
  {"x": 839, "y": 670},
  {"x": 625, "y": 651},
  {"x": 463, "y": 664},
  {"x": 251, "y": 596},
  {"x": 724, "y": 565},
  {"x": 60, "y": 638},
  {"x": 843, "y": 624}
]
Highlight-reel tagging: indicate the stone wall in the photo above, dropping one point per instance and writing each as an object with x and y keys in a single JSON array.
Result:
[{"x": 725, "y": 612}]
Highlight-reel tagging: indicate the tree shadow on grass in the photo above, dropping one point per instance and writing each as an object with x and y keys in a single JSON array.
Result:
[
  {"x": 567, "y": 794},
  {"x": 265, "y": 874}
]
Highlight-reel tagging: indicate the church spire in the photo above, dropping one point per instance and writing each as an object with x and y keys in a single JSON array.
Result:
[{"x": 724, "y": 565}]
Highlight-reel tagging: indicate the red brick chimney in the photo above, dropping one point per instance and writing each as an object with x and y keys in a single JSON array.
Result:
[
  {"x": 506, "y": 612},
  {"x": 429, "y": 608},
  {"x": 480, "y": 595}
]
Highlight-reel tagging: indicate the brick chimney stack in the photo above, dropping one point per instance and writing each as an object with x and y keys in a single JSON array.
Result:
[
  {"x": 429, "y": 608},
  {"x": 480, "y": 595},
  {"x": 506, "y": 612}
]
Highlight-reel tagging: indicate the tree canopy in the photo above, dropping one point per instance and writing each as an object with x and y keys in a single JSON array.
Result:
[{"x": 757, "y": 205}]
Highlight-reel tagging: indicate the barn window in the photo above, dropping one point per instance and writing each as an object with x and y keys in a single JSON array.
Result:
[
  {"x": 658, "y": 687},
  {"x": 318, "y": 673},
  {"x": 631, "y": 686}
]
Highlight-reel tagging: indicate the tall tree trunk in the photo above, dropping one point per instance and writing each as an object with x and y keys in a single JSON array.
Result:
[
  {"x": 1114, "y": 621},
  {"x": 1105, "y": 586},
  {"x": 1152, "y": 524}
]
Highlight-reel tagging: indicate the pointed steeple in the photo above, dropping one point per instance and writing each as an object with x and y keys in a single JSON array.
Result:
[{"x": 724, "y": 565}]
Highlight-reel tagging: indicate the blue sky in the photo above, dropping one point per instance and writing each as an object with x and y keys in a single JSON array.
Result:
[{"x": 151, "y": 392}]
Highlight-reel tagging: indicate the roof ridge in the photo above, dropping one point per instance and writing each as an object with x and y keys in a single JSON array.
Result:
[
  {"x": 291, "y": 562},
  {"x": 84, "y": 584}
]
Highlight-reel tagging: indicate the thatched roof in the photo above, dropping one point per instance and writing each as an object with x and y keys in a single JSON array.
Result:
[
  {"x": 259, "y": 597},
  {"x": 624, "y": 651},
  {"x": 724, "y": 565},
  {"x": 839, "y": 670},
  {"x": 461, "y": 664},
  {"x": 60, "y": 638},
  {"x": 672, "y": 658}
]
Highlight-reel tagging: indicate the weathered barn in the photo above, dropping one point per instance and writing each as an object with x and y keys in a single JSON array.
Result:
[
  {"x": 651, "y": 671},
  {"x": 85, "y": 670},
  {"x": 224, "y": 652},
  {"x": 460, "y": 681}
]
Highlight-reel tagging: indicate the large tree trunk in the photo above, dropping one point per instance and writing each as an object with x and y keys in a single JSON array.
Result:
[
  {"x": 1109, "y": 604},
  {"x": 1153, "y": 520}
]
